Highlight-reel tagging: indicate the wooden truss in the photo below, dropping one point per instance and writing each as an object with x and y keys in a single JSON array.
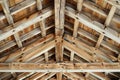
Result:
[{"x": 84, "y": 58}]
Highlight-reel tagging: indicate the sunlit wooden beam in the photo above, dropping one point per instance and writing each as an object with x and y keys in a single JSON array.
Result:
[
  {"x": 110, "y": 33},
  {"x": 32, "y": 19},
  {"x": 10, "y": 21}
]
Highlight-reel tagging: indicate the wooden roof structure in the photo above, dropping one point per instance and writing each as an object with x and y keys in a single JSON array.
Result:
[{"x": 59, "y": 39}]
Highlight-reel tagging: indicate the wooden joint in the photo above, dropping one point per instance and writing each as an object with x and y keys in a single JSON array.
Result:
[{"x": 58, "y": 39}]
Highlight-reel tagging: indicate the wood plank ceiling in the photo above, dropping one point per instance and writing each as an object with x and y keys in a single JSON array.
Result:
[{"x": 59, "y": 39}]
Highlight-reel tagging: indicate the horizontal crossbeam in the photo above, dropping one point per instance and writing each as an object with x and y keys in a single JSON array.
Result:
[{"x": 60, "y": 67}]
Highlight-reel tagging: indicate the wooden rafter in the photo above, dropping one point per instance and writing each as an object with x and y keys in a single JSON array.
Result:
[
  {"x": 34, "y": 54},
  {"x": 107, "y": 23},
  {"x": 93, "y": 25},
  {"x": 10, "y": 21},
  {"x": 32, "y": 19},
  {"x": 9, "y": 58},
  {"x": 90, "y": 49},
  {"x": 27, "y": 36}
]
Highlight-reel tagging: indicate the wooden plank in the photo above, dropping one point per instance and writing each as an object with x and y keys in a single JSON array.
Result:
[
  {"x": 110, "y": 33},
  {"x": 32, "y": 19}
]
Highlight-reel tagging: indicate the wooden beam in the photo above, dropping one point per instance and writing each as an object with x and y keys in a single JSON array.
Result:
[
  {"x": 100, "y": 39},
  {"x": 89, "y": 49},
  {"x": 78, "y": 75},
  {"x": 24, "y": 75},
  {"x": 76, "y": 23},
  {"x": 46, "y": 56},
  {"x": 59, "y": 76},
  {"x": 59, "y": 27},
  {"x": 12, "y": 56},
  {"x": 100, "y": 75},
  {"x": 107, "y": 23},
  {"x": 79, "y": 5},
  {"x": 42, "y": 28},
  {"x": 44, "y": 48},
  {"x": 36, "y": 76},
  {"x": 39, "y": 4},
  {"x": 62, "y": 14},
  {"x": 6, "y": 10},
  {"x": 4, "y": 75},
  {"x": 59, "y": 49},
  {"x": 59, "y": 67},
  {"x": 17, "y": 39},
  {"x": 110, "y": 16},
  {"x": 10, "y": 21},
  {"x": 23, "y": 38},
  {"x": 21, "y": 6},
  {"x": 94, "y": 39},
  {"x": 92, "y": 6},
  {"x": 110, "y": 33},
  {"x": 30, "y": 21},
  {"x": 72, "y": 56},
  {"x": 83, "y": 54},
  {"x": 49, "y": 75},
  {"x": 69, "y": 76}
]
